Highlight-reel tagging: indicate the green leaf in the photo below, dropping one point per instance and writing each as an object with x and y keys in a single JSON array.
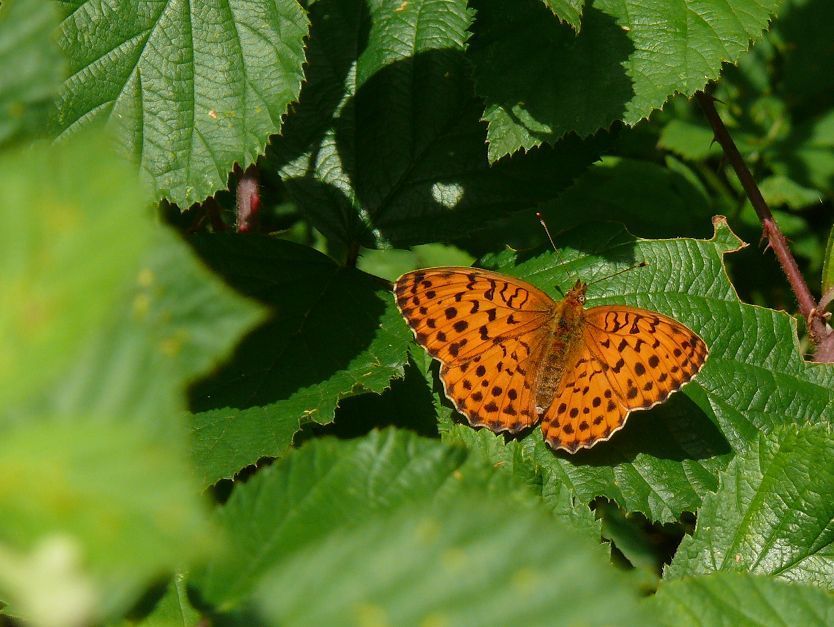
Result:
[
  {"x": 47, "y": 313},
  {"x": 772, "y": 513},
  {"x": 517, "y": 475},
  {"x": 466, "y": 562},
  {"x": 26, "y": 44},
  {"x": 740, "y": 599},
  {"x": 190, "y": 90},
  {"x": 628, "y": 59},
  {"x": 692, "y": 141},
  {"x": 319, "y": 488},
  {"x": 334, "y": 332},
  {"x": 667, "y": 459},
  {"x": 107, "y": 318},
  {"x": 569, "y": 11},
  {"x": 807, "y": 156},
  {"x": 116, "y": 497},
  {"x": 386, "y": 145}
]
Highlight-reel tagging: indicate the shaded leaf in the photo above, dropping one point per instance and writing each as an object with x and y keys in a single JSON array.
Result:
[
  {"x": 627, "y": 60},
  {"x": 740, "y": 599},
  {"x": 189, "y": 90},
  {"x": 386, "y": 145},
  {"x": 772, "y": 513},
  {"x": 569, "y": 11},
  {"x": 334, "y": 332}
]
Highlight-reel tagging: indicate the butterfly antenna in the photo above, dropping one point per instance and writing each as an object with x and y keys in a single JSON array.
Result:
[
  {"x": 642, "y": 264},
  {"x": 546, "y": 230}
]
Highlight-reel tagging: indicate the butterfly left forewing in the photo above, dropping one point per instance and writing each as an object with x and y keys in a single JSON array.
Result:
[{"x": 483, "y": 327}]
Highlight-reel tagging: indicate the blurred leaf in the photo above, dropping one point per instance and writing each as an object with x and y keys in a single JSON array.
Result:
[
  {"x": 780, "y": 190},
  {"x": 804, "y": 38},
  {"x": 689, "y": 140},
  {"x": 627, "y": 60},
  {"x": 318, "y": 489},
  {"x": 189, "y": 90},
  {"x": 118, "y": 497},
  {"x": 464, "y": 562},
  {"x": 335, "y": 332},
  {"x": 517, "y": 476},
  {"x": 106, "y": 318},
  {"x": 175, "y": 322},
  {"x": 772, "y": 513},
  {"x": 569, "y": 11},
  {"x": 386, "y": 146},
  {"x": 667, "y": 459},
  {"x": 62, "y": 243},
  {"x": 807, "y": 156},
  {"x": 34, "y": 67},
  {"x": 740, "y": 599}
]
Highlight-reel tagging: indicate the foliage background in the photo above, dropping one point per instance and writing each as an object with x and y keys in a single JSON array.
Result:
[{"x": 204, "y": 424}]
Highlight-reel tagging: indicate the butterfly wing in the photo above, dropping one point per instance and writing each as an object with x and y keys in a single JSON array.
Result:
[
  {"x": 632, "y": 359},
  {"x": 486, "y": 330}
]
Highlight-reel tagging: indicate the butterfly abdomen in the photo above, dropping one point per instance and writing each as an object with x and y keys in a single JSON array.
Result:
[{"x": 564, "y": 344}]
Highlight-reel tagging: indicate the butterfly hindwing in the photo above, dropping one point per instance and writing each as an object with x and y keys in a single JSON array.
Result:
[
  {"x": 494, "y": 389},
  {"x": 585, "y": 409}
]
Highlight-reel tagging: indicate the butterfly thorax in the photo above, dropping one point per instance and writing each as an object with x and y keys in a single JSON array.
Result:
[{"x": 563, "y": 345}]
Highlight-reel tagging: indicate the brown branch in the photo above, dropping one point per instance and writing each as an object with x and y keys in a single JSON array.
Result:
[{"x": 818, "y": 329}]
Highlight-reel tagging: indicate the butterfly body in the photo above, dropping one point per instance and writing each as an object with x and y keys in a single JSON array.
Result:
[
  {"x": 564, "y": 341},
  {"x": 511, "y": 356}
]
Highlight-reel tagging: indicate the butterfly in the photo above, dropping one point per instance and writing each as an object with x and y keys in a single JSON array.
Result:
[{"x": 511, "y": 356}]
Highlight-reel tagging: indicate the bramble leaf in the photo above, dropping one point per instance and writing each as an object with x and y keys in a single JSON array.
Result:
[
  {"x": 627, "y": 60},
  {"x": 740, "y": 599},
  {"x": 334, "y": 332},
  {"x": 772, "y": 513},
  {"x": 189, "y": 90},
  {"x": 666, "y": 460},
  {"x": 469, "y": 561},
  {"x": 386, "y": 146}
]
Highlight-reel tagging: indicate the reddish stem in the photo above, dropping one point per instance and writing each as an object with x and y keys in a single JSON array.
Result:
[
  {"x": 776, "y": 240},
  {"x": 248, "y": 201}
]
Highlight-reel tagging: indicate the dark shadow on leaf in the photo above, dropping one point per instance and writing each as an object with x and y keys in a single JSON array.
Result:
[
  {"x": 404, "y": 160},
  {"x": 324, "y": 316}
]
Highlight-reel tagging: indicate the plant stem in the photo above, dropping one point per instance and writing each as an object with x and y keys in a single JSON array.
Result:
[{"x": 807, "y": 305}]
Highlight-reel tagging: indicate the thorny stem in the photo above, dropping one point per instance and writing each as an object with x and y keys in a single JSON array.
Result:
[{"x": 809, "y": 308}]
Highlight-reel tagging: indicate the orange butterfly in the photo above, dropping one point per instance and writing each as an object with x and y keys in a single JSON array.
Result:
[{"x": 511, "y": 356}]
